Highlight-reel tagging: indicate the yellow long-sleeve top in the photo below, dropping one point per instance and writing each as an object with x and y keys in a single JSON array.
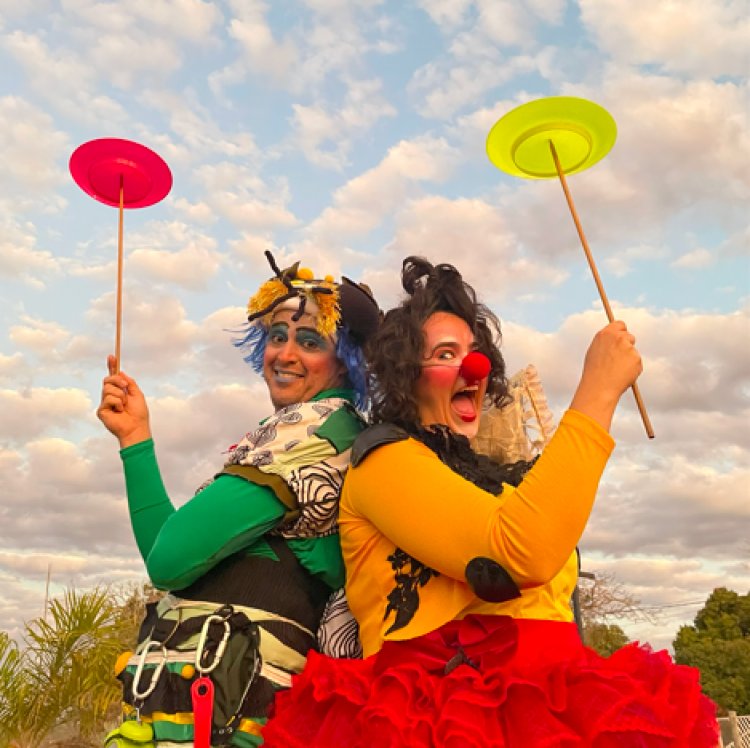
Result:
[{"x": 401, "y": 496}]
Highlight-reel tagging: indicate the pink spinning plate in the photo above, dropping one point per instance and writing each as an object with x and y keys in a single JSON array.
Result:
[{"x": 100, "y": 166}]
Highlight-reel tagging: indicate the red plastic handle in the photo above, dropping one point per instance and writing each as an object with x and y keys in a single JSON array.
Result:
[{"x": 202, "y": 692}]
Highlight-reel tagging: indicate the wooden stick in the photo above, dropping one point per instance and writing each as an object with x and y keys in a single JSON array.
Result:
[
  {"x": 118, "y": 324},
  {"x": 597, "y": 280}
]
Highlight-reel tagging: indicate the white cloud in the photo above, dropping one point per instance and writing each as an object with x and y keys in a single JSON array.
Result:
[
  {"x": 336, "y": 7},
  {"x": 326, "y": 137},
  {"x": 12, "y": 10},
  {"x": 40, "y": 409},
  {"x": 448, "y": 14},
  {"x": 252, "y": 246},
  {"x": 19, "y": 257},
  {"x": 664, "y": 127},
  {"x": 475, "y": 236},
  {"x": 175, "y": 253},
  {"x": 700, "y": 366},
  {"x": 695, "y": 259},
  {"x": 195, "y": 133},
  {"x": 481, "y": 36},
  {"x": 361, "y": 204},
  {"x": 198, "y": 212},
  {"x": 61, "y": 77},
  {"x": 193, "y": 20},
  {"x": 237, "y": 193},
  {"x": 700, "y": 37},
  {"x": 333, "y": 41},
  {"x": 73, "y": 472},
  {"x": 156, "y": 337},
  {"x": 13, "y": 368},
  {"x": 622, "y": 263},
  {"x": 132, "y": 46},
  {"x": 50, "y": 345},
  {"x": 336, "y": 45},
  {"x": 505, "y": 23},
  {"x": 40, "y": 336},
  {"x": 191, "y": 267},
  {"x": 263, "y": 53},
  {"x": 132, "y": 61},
  {"x": 549, "y": 11},
  {"x": 691, "y": 512},
  {"x": 444, "y": 87},
  {"x": 31, "y": 150},
  {"x": 37, "y": 564}
]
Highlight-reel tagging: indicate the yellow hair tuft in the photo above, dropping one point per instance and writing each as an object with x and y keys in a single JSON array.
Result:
[
  {"x": 329, "y": 314},
  {"x": 266, "y": 295}
]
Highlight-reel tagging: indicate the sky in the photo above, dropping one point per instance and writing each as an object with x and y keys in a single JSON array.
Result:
[{"x": 351, "y": 135}]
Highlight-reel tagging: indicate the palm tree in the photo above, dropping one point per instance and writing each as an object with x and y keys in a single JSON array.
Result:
[
  {"x": 62, "y": 682},
  {"x": 11, "y": 685}
]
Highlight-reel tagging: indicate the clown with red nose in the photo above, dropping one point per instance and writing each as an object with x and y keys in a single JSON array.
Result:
[
  {"x": 453, "y": 382},
  {"x": 460, "y": 570}
]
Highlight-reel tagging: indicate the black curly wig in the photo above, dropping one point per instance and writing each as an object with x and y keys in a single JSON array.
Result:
[{"x": 395, "y": 353}]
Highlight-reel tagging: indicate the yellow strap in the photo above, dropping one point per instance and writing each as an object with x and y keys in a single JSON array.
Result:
[
  {"x": 249, "y": 726},
  {"x": 179, "y": 718}
]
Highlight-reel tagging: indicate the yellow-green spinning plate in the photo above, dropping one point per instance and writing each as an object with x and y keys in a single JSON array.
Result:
[{"x": 583, "y": 133}]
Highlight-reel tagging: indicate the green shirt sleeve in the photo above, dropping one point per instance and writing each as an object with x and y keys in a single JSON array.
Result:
[
  {"x": 321, "y": 557},
  {"x": 180, "y": 545}
]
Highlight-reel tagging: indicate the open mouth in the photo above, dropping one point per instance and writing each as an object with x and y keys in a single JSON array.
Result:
[{"x": 464, "y": 403}]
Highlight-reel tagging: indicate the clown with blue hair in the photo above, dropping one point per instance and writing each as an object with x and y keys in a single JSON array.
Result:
[{"x": 252, "y": 563}]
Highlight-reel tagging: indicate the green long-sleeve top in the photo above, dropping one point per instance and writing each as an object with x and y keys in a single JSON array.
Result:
[{"x": 231, "y": 514}]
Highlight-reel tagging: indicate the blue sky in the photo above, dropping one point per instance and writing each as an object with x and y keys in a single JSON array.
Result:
[{"x": 350, "y": 135}]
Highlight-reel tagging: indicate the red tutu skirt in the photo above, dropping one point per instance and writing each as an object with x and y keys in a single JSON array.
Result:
[{"x": 495, "y": 682}]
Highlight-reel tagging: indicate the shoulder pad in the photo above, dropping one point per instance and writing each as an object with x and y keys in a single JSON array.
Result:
[{"x": 373, "y": 437}]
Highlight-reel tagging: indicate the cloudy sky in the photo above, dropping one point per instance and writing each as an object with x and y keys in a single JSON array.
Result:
[{"x": 352, "y": 134}]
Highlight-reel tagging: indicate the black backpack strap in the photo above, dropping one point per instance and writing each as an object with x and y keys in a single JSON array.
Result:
[{"x": 373, "y": 437}]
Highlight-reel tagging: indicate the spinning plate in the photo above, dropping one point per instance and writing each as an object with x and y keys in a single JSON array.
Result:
[
  {"x": 583, "y": 133},
  {"x": 100, "y": 166}
]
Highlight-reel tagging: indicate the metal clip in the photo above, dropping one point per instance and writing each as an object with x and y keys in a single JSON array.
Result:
[
  {"x": 202, "y": 643},
  {"x": 142, "y": 695}
]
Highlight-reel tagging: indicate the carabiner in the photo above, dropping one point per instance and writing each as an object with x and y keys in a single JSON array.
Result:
[
  {"x": 142, "y": 695},
  {"x": 202, "y": 643}
]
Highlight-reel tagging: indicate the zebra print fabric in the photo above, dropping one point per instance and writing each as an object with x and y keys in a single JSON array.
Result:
[{"x": 338, "y": 634}]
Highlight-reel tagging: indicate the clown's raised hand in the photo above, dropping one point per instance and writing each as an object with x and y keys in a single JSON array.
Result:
[
  {"x": 123, "y": 409},
  {"x": 612, "y": 364}
]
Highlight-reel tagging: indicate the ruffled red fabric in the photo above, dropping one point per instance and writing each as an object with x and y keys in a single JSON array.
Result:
[{"x": 495, "y": 682}]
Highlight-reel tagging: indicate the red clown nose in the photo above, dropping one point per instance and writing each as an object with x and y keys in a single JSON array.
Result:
[{"x": 475, "y": 367}]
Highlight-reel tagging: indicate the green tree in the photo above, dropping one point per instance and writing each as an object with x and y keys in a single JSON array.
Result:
[
  {"x": 59, "y": 684},
  {"x": 604, "y": 638},
  {"x": 718, "y": 644}
]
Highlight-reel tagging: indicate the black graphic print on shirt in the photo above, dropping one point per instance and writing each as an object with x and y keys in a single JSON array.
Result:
[{"x": 409, "y": 575}]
